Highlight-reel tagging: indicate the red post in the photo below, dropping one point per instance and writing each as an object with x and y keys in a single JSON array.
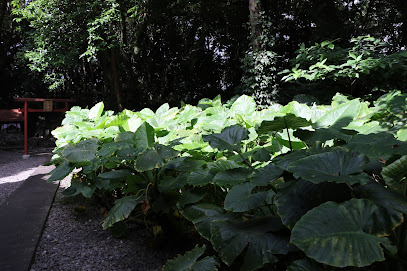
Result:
[{"x": 25, "y": 128}]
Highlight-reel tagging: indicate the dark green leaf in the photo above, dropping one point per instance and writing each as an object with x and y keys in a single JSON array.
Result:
[
  {"x": 336, "y": 166},
  {"x": 60, "y": 172},
  {"x": 341, "y": 235},
  {"x": 169, "y": 183},
  {"x": 265, "y": 175},
  {"x": 296, "y": 198},
  {"x": 121, "y": 210},
  {"x": 202, "y": 215},
  {"x": 144, "y": 136},
  {"x": 148, "y": 161},
  {"x": 232, "y": 176},
  {"x": 230, "y": 238},
  {"x": 396, "y": 171},
  {"x": 229, "y": 139},
  {"x": 241, "y": 199},
  {"x": 200, "y": 177},
  {"x": 115, "y": 174},
  {"x": 383, "y": 196},
  {"x": 83, "y": 152},
  {"x": 189, "y": 261},
  {"x": 189, "y": 197},
  {"x": 289, "y": 121}
]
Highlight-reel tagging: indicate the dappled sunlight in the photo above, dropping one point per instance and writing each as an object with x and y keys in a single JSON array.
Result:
[{"x": 20, "y": 176}]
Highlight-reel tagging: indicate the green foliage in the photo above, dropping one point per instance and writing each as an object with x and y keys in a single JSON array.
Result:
[{"x": 273, "y": 187}]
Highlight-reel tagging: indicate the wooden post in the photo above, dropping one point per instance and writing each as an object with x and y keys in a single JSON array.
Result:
[{"x": 26, "y": 128}]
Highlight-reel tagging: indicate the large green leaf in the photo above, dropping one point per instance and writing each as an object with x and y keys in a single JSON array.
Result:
[
  {"x": 289, "y": 121},
  {"x": 376, "y": 146},
  {"x": 201, "y": 176},
  {"x": 244, "y": 105},
  {"x": 265, "y": 175},
  {"x": 324, "y": 134},
  {"x": 189, "y": 261},
  {"x": 340, "y": 116},
  {"x": 232, "y": 176},
  {"x": 229, "y": 139},
  {"x": 144, "y": 136},
  {"x": 396, "y": 171},
  {"x": 380, "y": 195},
  {"x": 60, "y": 172},
  {"x": 241, "y": 199},
  {"x": 222, "y": 165},
  {"x": 96, "y": 111},
  {"x": 148, "y": 161},
  {"x": 337, "y": 166},
  {"x": 169, "y": 183},
  {"x": 121, "y": 210},
  {"x": 115, "y": 174},
  {"x": 341, "y": 235},
  {"x": 189, "y": 197},
  {"x": 231, "y": 237},
  {"x": 295, "y": 198},
  {"x": 166, "y": 152},
  {"x": 83, "y": 152},
  {"x": 79, "y": 187},
  {"x": 202, "y": 215}
]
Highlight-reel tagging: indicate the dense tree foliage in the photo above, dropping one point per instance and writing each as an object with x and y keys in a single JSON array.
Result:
[{"x": 137, "y": 53}]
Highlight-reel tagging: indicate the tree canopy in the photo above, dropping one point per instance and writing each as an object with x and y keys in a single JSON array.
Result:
[{"x": 139, "y": 53}]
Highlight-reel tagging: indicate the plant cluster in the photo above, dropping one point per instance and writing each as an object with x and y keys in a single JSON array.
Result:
[{"x": 292, "y": 187}]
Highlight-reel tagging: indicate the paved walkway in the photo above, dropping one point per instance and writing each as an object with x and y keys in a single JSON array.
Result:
[{"x": 22, "y": 219}]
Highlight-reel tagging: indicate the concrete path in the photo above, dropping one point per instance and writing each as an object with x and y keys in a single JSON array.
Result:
[{"x": 22, "y": 219}]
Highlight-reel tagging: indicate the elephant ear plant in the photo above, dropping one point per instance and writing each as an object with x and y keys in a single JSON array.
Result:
[{"x": 292, "y": 187}]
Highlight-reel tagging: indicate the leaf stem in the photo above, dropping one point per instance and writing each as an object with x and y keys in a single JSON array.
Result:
[
  {"x": 289, "y": 138},
  {"x": 247, "y": 163}
]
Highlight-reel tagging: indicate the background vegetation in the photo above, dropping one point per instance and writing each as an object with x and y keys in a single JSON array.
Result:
[{"x": 141, "y": 53}]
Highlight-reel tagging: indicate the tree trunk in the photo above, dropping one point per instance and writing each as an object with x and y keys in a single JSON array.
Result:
[
  {"x": 255, "y": 28},
  {"x": 111, "y": 75}
]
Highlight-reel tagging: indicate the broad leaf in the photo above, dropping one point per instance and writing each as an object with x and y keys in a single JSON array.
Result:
[
  {"x": 340, "y": 116},
  {"x": 295, "y": 198},
  {"x": 231, "y": 237},
  {"x": 169, "y": 183},
  {"x": 200, "y": 177},
  {"x": 380, "y": 195},
  {"x": 241, "y": 199},
  {"x": 341, "y": 235},
  {"x": 83, "y": 152},
  {"x": 336, "y": 166},
  {"x": 189, "y": 261},
  {"x": 376, "y": 146},
  {"x": 396, "y": 171},
  {"x": 222, "y": 165},
  {"x": 189, "y": 197},
  {"x": 265, "y": 175},
  {"x": 229, "y": 139},
  {"x": 244, "y": 105},
  {"x": 96, "y": 111},
  {"x": 202, "y": 215},
  {"x": 324, "y": 134},
  {"x": 289, "y": 121},
  {"x": 60, "y": 172},
  {"x": 232, "y": 176},
  {"x": 115, "y": 174},
  {"x": 144, "y": 136},
  {"x": 121, "y": 210}
]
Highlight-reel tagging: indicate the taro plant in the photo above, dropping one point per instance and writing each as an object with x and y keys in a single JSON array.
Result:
[{"x": 292, "y": 187}]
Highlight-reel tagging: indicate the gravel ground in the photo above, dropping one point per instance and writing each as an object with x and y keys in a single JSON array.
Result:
[
  {"x": 73, "y": 239},
  {"x": 14, "y": 169}
]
